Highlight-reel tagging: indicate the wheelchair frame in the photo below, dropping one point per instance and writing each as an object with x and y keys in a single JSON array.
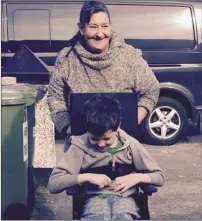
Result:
[{"x": 141, "y": 196}]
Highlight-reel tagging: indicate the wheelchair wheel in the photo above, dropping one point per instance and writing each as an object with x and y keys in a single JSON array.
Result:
[{"x": 17, "y": 211}]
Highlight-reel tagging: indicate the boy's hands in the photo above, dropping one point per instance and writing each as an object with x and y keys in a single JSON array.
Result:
[
  {"x": 126, "y": 182},
  {"x": 98, "y": 179},
  {"x": 123, "y": 183}
]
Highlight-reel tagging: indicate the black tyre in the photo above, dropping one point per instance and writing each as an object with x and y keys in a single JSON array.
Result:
[{"x": 166, "y": 124}]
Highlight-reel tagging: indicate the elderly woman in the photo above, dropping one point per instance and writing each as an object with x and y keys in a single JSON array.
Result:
[{"x": 98, "y": 60}]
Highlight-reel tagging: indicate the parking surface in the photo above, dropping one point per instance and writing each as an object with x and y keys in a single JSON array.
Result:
[{"x": 179, "y": 199}]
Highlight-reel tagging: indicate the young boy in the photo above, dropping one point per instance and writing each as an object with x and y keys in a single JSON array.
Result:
[{"x": 107, "y": 162}]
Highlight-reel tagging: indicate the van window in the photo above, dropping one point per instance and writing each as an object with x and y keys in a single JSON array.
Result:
[
  {"x": 64, "y": 20},
  {"x": 148, "y": 27},
  {"x": 31, "y": 24},
  {"x": 28, "y": 25},
  {"x": 151, "y": 27},
  {"x": 43, "y": 27},
  {"x": 47, "y": 27},
  {"x": 64, "y": 24}
]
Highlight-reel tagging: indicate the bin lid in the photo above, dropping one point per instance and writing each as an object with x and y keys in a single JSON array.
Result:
[{"x": 19, "y": 93}]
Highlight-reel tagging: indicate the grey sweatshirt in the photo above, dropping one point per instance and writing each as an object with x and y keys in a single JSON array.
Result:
[
  {"x": 121, "y": 69},
  {"x": 82, "y": 156}
]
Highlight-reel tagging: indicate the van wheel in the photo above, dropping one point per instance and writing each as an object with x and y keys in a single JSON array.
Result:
[{"x": 166, "y": 124}]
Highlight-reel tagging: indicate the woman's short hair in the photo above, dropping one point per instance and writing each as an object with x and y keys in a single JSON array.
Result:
[{"x": 102, "y": 113}]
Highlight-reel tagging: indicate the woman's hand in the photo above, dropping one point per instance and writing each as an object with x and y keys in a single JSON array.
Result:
[
  {"x": 98, "y": 179},
  {"x": 142, "y": 113}
]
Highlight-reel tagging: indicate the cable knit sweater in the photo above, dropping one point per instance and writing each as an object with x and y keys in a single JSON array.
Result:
[{"x": 121, "y": 69}]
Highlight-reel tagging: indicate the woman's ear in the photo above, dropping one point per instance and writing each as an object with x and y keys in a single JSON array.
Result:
[{"x": 80, "y": 29}]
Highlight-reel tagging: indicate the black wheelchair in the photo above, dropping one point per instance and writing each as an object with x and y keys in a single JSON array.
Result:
[
  {"x": 129, "y": 104},
  {"x": 141, "y": 197}
]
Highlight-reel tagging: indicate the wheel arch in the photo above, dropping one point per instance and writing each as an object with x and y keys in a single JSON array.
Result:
[{"x": 181, "y": 94}]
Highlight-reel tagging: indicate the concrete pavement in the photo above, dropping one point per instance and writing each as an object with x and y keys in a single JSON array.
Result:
[{"x": 179, "y": 199}]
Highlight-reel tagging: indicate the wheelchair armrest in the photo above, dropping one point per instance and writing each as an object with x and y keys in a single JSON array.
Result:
[
  {"x": 76, "y": 191},
  {"x": 149, "y": 188}
]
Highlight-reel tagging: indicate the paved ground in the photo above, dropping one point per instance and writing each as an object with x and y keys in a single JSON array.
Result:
[{"x": 179, "y": 199}]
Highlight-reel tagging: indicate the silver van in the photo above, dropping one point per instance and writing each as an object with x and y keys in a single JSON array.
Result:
[{"x": 169, "y": 34}]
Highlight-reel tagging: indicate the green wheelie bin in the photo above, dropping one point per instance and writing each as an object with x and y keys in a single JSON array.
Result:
[{"x": 17, "y": 114}]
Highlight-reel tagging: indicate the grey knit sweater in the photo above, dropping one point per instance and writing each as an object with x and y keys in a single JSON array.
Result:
[{"x": 121, "y": 69}]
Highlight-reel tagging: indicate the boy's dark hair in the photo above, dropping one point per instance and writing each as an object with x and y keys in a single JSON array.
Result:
[
  {"x": 102, "y": 113},
  {"x": 88, "y": 9}
]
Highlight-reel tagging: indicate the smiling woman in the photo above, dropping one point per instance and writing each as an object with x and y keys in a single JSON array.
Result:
[
  {"x": 97, "y": 59},
  {"x": 97, "y": 33}
]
